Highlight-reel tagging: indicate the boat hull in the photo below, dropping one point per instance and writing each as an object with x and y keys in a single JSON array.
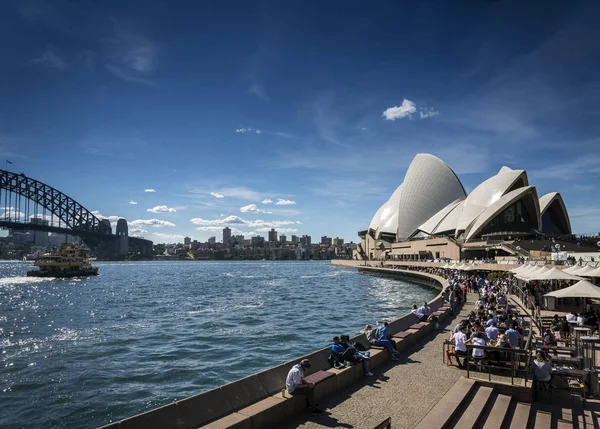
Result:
[{"x": 79, "y": 273}]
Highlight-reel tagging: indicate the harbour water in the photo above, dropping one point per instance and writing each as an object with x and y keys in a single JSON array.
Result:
[{"x": 81, "y": 353}]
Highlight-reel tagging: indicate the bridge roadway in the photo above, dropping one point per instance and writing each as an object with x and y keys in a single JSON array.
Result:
[{"x": 26, "y": 199}]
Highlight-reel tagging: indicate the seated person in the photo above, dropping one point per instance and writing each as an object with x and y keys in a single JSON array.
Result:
[
  {"x": 383, "y": 340},
  {"x": 350, "y": 353},
  {"x": 542, "y": 370},
  {"x": 419, "y": 312},
  {"x": 460, "y": 348},
  {"x": 370, "y": 333},
  {"x": 478, "y": 340},
  {"x": 295, "y": 384}
]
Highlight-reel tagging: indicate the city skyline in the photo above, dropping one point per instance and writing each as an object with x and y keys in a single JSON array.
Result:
[{"x": 290, "y": 116}]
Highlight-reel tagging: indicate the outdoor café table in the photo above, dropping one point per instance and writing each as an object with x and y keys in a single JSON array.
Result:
[
  {"x": 558, "y": 349},
  {"x": 574, "y": 374},
  {"x": 563, "y": 360}
]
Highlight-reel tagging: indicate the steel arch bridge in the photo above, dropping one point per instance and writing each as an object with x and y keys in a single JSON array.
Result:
[
  {"x": 29, "y": 204},
  {"x": 25, "y": 199}
]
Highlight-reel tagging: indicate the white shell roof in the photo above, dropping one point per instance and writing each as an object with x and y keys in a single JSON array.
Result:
[
  {"x": 429, "y": 186},
  {"x": 486, "y": 194},
  {"x": 500, "y": 204},
  {"x": 386, "y": 218},
  {"x": 449, "y": 223},
  {"x": 547, "y": 200},
  {"x": 432, "y": 224}
]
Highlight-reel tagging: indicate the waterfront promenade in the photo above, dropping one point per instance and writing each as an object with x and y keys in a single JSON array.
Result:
[{"x": 405, "y": 391}]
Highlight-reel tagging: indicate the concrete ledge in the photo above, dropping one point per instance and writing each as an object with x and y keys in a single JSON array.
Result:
[
  {"x": 243, "y": 392},
  {"x": 273, "y": 379},
  {"x": 266, "y": 413},
  {"x": 378, "y": 357},
  {"x": 419, "y": 325},
  {"x": 167, "y": 417},
  {"x": 293, "y": 404},
  {"x": 205, "y": 407},
  {"x": 231, "y": 421},
  {"x": 344, "y": 377},
  {"x": 324, "y": 384}
]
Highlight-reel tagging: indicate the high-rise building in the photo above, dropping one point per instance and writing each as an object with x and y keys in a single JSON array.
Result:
[
  {"x": 187, "y": 241},
  {"x": 282, "y": 238},
  {"x": 272, "y": 235},
  {"x": 294, "y": 239},
  {"x": 40, "y": 238},
  {"x": 306, "y": 240},
  {"x": 258, "y": 241},
  {"x": 326, "y": 241},
  {"x": 226, "y": 236},
  {"x": 338, "y": 241},
  {"x": 212, "y": 240}
]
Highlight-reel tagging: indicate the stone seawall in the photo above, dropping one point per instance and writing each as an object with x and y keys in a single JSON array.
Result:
[{"x": 256, "y": 401}]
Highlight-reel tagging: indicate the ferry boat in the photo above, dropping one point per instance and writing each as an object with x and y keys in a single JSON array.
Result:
[{"x": 70, "y": 262}]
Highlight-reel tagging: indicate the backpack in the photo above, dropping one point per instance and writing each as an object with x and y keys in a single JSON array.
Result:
[{"x": 358, "y": 346}]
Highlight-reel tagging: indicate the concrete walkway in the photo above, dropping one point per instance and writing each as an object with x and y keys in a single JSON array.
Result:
[{"x": 406, "y": 391}]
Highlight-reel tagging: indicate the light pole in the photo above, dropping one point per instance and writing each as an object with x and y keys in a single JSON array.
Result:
[{"x": 487, "y": 253}]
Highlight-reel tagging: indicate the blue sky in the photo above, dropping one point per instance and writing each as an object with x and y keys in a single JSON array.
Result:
[{"x": 221, "y": 107}]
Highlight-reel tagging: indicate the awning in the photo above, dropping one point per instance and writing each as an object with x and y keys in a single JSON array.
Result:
[{"x": 581, "y": 289}]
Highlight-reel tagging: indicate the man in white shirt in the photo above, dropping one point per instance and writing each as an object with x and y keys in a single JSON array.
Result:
[
  {"x": 295, "y": 384},
  {"x": 571, "y": 317},
  {"x": 460, "y": 349}
]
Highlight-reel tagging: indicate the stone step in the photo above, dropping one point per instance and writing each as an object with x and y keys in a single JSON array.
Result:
[
  {"x": 521, "y": 416},
  {"x": 447, "y": 408},
  {"x": 543, "y": 418},
  {"x": 564, "y": 418},
  {"x": 498, "y": 412},
  {"x": 474, "y": 410}
]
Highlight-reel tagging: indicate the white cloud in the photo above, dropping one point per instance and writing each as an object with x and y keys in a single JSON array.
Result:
[
  {"x": 279, "y": 230},
  {"x": 252, "y": 208},
  {"x": 238, "y": 221},
  {"x": 101, "y": 216},
  {"x": 168, "y": 236},
  {"x": 229, "y": 220},
  {"x": 51, "y": 59},
  {"x": 217, "y": 195},
  {"x": 248, "y": 130},
  {"x": 161, "y": 209},
  {"x": 259, "y": 91},
  {"x": 407, "y": 108},
  {"x": 282, "y": 202},
  {"x": 132, "y": 202},
  {"x": 364, "y": 129},
  {"x": 267, "y": 201},
  {"x": 156, "y": 223},
  {"x": 132, "y": 54},
  {"x": 242, "y": 193},
  {"x": 149, "y": 190},
  {"x": 428, "y": 113},
  {"x": 137, "y": 231}
]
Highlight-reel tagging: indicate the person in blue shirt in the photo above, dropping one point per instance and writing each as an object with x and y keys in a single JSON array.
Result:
[
  {"x": 491, "y": 321},
  {"x": 513, "y": 336},
  {"x": 492, "y": 331},
  {"x": 384, "y": 341},
  {"x": 346, "y": 352}
]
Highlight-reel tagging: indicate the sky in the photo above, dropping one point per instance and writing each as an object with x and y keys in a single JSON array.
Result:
[{"x": 303, "y": 116}]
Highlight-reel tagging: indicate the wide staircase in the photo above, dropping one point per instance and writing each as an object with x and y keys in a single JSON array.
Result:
[{"x": 468, "y": 404}]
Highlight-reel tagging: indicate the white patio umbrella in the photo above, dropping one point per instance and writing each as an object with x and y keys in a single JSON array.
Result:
[
  {"x": 573, "y": 269},
  {"x": 583, "y": 271},
  {"x": 581, "y": 289},
  {"x": 536, "y": 269},
  {"x": 520, "y": 269},
  {"x": 553, "y": 274},
  {"x": 446, "y": 266},
  {"x": 594, "y": 273}
]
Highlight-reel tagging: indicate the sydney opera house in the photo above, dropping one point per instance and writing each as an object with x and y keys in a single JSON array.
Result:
[{"x": 431, "y": 216}]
